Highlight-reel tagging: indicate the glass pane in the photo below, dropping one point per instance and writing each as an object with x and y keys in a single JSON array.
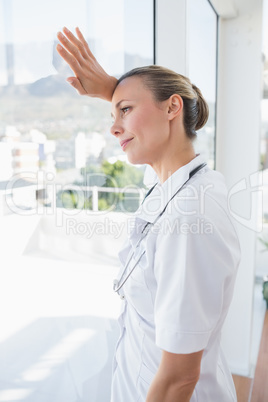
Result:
[
  {"x": 262, "y": 242},
  {"x": 202, "y": 45},
  {"x": 64, "y": 202},
  {"x": 56, "y": 150}
]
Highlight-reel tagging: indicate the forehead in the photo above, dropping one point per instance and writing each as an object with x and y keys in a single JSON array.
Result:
[{"x": 131, "y": 88}]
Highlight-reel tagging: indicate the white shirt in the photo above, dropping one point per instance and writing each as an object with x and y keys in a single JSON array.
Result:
[{"x": 177, "y": 297}]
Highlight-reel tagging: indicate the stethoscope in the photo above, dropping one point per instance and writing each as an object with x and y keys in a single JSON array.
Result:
[{"x": 119, "y": 283}]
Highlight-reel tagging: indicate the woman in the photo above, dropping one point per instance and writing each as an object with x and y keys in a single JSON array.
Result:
[{"x": 180, "y": 260}]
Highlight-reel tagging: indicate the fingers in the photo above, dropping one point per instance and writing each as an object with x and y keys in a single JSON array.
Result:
[
  {"x": 82, "y": 39},
  {"x": 72, "y": 61},
  {"x": 71, "y": 48},
  {"x": 75, "y": 46}
]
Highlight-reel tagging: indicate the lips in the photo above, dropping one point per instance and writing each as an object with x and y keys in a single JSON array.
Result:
[{"x": 124, "y": 143}]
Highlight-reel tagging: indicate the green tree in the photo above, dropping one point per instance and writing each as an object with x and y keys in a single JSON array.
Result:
[
  {"x": 118, "y": 174},
  {"x": 122, "y": 173}
]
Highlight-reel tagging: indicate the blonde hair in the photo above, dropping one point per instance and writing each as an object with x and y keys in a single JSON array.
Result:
[{"x": 164, "y": 83}]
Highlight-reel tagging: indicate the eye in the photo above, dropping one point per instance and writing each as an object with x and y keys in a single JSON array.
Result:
[{"x": 125, "y": 109}]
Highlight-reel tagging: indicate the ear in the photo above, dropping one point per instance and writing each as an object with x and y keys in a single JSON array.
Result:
[{"x": 175, "y": 106}]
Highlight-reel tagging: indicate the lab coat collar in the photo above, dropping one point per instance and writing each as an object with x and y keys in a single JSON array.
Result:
[{"x": 153, "y": 205}]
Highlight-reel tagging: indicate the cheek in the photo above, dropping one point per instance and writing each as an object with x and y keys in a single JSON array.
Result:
[
  {"x": 150, "y": 121},
  {"x": 156, "y": 128},
  {"x": 148, "y": 125}
]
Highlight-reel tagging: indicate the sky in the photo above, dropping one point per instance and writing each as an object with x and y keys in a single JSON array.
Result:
[
  {"x": 202, "y": 46},
  {"x": 36, "y": 22},
  {"x": 117, "y": 26}
]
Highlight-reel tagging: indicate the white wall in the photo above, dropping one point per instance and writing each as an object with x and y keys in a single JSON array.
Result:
[{"x": 237, "y": 157}]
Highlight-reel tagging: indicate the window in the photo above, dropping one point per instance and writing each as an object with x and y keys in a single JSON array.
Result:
[
  {"x": 44, "y": 124},
  {"x": 261, "y": 264},
  {"x": 59, "y": 263},
  {"x": 202, "y": 46}
]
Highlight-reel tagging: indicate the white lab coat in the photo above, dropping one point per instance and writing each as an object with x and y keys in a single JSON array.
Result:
[{"x": 177, "y": 297}]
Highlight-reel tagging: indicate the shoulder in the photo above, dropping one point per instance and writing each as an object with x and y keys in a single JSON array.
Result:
[
  {"x": 204, "y": 195},
  {"x": 201, "y": 208}
]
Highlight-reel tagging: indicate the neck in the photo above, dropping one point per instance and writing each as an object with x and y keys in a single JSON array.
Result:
[{"x": 175, "y": 159}]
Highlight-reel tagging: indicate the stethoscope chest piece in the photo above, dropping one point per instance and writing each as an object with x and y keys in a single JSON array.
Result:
[
  {"x": 117, "y": 287},
  {"x": 115, "y": 284}
]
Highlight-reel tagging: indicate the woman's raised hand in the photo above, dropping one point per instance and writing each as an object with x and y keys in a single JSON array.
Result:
[{"x": 90, "y": 78}]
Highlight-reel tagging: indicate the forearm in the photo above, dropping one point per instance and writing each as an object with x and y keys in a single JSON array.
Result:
[
  {"x": 176, "y": 377},
  {"x": 162, "y": 390}
]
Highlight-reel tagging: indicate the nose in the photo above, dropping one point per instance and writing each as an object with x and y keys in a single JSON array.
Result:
[{"x": 116, "y": 129}]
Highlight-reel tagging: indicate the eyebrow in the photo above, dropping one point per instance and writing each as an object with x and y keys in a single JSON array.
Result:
[{"x": 119, "y": 103}]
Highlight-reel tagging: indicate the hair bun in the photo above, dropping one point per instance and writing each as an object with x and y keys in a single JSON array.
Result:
[{"x": 203, "y": 109}]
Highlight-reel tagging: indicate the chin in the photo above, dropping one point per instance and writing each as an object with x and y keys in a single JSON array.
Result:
[{"x": 135, "y": 161}]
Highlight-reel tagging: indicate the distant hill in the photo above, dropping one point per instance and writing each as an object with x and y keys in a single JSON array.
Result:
[{"x": 53, "y": 85}]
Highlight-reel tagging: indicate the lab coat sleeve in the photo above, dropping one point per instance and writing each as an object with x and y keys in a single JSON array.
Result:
[{"x": 194, "y": 269}]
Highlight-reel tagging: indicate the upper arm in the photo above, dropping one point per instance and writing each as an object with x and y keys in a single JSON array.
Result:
[{"x": 176, "y": 377}]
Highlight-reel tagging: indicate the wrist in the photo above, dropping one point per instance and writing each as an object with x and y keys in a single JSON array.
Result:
[{"x": 109, "y": 88}]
